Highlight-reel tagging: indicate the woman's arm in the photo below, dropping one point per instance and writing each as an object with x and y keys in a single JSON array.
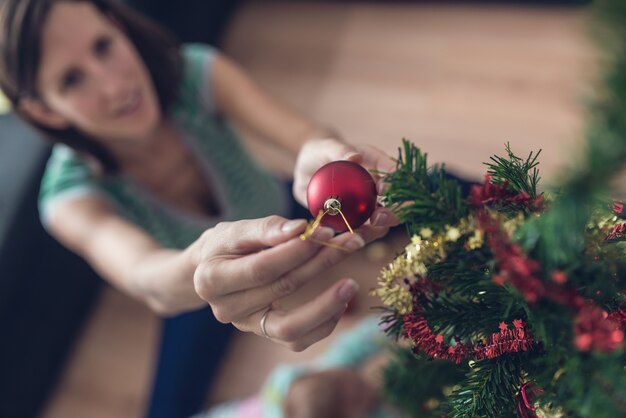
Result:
[
  {"x": 240, "y": 269},
  {"x": 237, "y": 96},
  {"x": 125, "y": 255},
  {"x": 241, "y": 99}
]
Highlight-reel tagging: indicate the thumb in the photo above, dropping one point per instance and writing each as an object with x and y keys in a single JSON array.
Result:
[
  {"x": 353, "y": 156},
  {"x": 333, "y": 150}
]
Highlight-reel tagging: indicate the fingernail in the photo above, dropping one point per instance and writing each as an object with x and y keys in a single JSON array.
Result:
[
  {"x": 348, "y": 290},
  {"x": 381, "y": 219},
  {"x": 350, "y": 155},
  {"x": 323, "y": 233},
  {"x": 293, "y": 225},
  {"x": 355, "y": 242}
]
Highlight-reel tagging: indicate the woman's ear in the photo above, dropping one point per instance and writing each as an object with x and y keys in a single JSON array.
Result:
[{"x": 37, "y": 111}]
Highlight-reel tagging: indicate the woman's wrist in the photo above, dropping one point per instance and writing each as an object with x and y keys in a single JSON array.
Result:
[
  {"x": 165, "y": 281},
  {"x": 192, "y": 255}
]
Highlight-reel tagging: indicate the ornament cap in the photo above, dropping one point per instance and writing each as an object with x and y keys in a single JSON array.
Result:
[{"x": 332, "y": 206}]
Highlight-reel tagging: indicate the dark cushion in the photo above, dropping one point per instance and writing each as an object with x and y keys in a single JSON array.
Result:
[{"x": 45, "y": 291}]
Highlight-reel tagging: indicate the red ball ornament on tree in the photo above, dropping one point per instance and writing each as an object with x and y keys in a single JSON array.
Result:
[{"x": 342, "y": 187}]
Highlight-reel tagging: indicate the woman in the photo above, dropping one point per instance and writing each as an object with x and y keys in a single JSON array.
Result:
[{"x": 150, "y": 186}]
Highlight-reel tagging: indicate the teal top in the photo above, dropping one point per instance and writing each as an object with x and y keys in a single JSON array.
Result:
[{"x": 244, "y": 190}]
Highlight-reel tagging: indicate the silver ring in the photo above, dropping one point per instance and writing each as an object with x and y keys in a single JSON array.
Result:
[{"x": 262, "y": 323}]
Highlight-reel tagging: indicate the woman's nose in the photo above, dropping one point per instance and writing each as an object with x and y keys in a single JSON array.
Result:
[
  {"x": 111, "y": 84},
  {"x": 113, "y": 87}
]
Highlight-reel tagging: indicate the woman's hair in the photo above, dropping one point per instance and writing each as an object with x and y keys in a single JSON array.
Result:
[{"x": 21, "y": 23}]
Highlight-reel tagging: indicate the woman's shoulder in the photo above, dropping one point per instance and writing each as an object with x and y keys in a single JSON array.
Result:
[
  {"x": 196, "y": 92},
  {"x": 64, "y": 163},
  {"x": 66, "y": 176},
  {"x": 197, "y": 50}
]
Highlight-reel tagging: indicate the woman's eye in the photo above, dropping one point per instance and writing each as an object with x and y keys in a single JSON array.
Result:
[{"x": 102, "y": 46}]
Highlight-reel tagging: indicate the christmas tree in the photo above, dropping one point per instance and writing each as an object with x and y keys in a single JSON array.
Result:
[{"x": 511, "y": 302}]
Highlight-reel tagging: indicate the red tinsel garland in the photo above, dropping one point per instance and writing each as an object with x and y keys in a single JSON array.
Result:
[
  {"x": 500, "y": 194},
  {"x": 417, "y": 329},
  {"x": 618, "y": 232},
  {"x": 514, "y": 265},
  {"x": 504, "y": 342},
  {"x": 594, "y": 328},
  {"x": 619, "y": 316},
  {"x": 522, "y": 271},
  {"x": 617, "y": 207}
]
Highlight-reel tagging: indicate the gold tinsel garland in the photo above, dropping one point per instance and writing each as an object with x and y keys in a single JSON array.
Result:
[{"x": 425, "y": 249}]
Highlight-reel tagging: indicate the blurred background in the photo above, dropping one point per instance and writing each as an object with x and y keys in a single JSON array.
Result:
[{"x": 459, "y": 79}]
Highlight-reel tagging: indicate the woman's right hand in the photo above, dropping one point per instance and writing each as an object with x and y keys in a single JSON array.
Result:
[{"x": 244, "y": 268}]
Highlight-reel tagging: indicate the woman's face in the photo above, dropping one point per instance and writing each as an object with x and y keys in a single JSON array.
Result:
[{"x": 92, "y": 78}]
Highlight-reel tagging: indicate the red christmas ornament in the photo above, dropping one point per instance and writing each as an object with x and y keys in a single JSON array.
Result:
[{"x": 342, "y": 186}]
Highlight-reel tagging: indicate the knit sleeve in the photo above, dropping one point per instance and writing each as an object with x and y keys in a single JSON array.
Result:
[
  {"x": 196, "y": 90},
  {"x": 66, "y": 177}
]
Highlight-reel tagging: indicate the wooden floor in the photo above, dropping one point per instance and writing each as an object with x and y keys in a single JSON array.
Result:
[{"x": 459, "y": 80}]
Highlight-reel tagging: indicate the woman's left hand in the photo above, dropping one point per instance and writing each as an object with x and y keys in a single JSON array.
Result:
[{"x": 317, "y": 152}]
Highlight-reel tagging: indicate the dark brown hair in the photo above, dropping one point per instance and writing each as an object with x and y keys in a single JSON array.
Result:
[{"x": 21, "y": 22}]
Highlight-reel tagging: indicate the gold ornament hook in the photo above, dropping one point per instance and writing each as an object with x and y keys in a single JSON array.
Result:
[{"x": 332, "y": 207}]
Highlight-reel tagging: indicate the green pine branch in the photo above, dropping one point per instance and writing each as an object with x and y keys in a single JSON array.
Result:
[
  {"x": 418, "y": 384},
  {"x": 522, "y": 175},
  {"x": 576, "y": 384},
  {"x": 489, "y": 389},
  {"x": 422, "y": 196},
  {"x": 391, "y": 321},
  {"x": 465, "y": 292},
  {"x": 584, "y": 385}
]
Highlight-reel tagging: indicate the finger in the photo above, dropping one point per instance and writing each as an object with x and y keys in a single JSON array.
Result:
[
  {"x": 251, "y": 235},
  {"x": 299, "y": 191},
  {"x": 378, "y": 163},
  {"x": 317, "y": 334},
  {"x": 384, "y": 217},
  {"x": 316, "y": 154},
  {"x": 333, "y": 150},
  {"x": 326, "y": 150},
  {"x": 244, "y": 303},
  {"x": 312, "y": 268},
  {"x": 226, "y": 275},
  {"x": 375, "y": 159},
  {"x": 293, "y": 325},
  {"x": 371, "y": 232}
]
